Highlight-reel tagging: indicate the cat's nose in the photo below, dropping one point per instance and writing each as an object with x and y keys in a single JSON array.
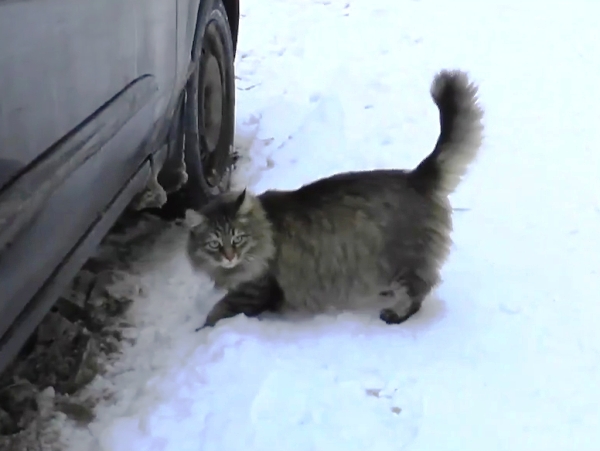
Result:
[{"x": 229, "y": 254}]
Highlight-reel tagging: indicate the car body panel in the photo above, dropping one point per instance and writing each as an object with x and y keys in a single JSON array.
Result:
[
  {"x": 86, "y": 88},
  {"x": 51, "y": 81},
  {"x": 27, "y": 194},
  {"x": 66, "y": 213},
  {"x": 37, "y": 307},
  {"x": 88, "y": 91}
]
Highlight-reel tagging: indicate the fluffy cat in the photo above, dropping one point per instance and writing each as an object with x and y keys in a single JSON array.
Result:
[{"x": 353, "y": 240}]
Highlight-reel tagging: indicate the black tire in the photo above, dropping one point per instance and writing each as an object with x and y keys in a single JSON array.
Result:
[{"x": 208, "y": 116}]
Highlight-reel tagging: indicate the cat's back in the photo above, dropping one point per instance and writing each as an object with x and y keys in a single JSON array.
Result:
[{"x": 368, "y": 194}]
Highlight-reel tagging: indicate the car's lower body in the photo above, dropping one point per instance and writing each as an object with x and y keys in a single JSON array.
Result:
[{"x": 85, "y": 181}]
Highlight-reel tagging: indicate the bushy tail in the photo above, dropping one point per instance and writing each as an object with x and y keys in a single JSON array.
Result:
[{"x": 461, "y": 134}]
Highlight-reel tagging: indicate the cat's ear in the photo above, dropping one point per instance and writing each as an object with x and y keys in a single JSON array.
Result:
[
  {"x": 193, "y": 218},
  {"x": 243, "y": 203}
]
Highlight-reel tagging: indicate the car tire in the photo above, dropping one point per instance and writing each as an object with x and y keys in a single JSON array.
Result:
[{"x": 207, "y": 124}]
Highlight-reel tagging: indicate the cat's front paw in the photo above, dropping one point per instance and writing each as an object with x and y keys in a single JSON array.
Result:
[
  {"x": 207, "y": 323},
  {"x": 389, "y": 316},
  {"x": 198, "y": 329}
]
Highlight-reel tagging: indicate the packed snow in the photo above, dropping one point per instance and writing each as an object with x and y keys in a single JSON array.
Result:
[{"x": 504, "y": 355}]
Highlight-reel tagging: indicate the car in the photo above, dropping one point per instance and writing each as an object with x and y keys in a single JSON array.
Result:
[{"x": 103, "y": 105}]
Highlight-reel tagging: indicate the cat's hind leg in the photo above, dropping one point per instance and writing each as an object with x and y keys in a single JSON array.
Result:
[
  {"x": 409, "y": 298},
  {"x": 250, "y": 298}
]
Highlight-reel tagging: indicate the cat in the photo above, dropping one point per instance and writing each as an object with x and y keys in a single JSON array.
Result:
[{"x": 352, "y": 240}]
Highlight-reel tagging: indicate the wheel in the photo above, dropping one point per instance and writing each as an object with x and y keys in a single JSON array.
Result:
[
  {"x": 208, "y": 113},
  {"x": 209, "y": 116}
]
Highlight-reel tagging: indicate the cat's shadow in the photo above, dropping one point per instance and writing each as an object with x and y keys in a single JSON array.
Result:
[{"x": 432, "y": 312}]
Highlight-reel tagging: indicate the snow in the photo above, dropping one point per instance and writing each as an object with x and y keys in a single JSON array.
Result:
[{"x": 503, "y": 356}]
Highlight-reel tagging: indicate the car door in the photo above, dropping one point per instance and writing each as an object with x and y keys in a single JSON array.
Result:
[
  {"x": 82, "y": 85},
  {"x": 61, "y": 60}
]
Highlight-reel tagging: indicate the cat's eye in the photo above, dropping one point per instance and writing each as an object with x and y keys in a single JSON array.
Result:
[
  {"x": 237, "y": 239},
  {"x": 212, "y": 244}
]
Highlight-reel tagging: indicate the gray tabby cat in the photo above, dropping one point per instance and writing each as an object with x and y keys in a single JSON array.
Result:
[{"x": 353, "y": 240}]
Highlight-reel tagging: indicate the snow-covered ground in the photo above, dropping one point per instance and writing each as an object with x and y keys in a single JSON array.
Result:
[{"x": 504, "y": 356}]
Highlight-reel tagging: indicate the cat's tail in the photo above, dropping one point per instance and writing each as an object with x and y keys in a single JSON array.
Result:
[{"x": 461, "y": 134}]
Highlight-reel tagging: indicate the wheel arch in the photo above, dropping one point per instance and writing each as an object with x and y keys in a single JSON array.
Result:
[
  {"x": 233, "y": 15},
  {"x": 180, "y": 193},
  {"x": 232, "y": 9}
]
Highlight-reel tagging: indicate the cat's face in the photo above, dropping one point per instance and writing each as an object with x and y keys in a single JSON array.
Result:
[{"x": 220, "y": 235}]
